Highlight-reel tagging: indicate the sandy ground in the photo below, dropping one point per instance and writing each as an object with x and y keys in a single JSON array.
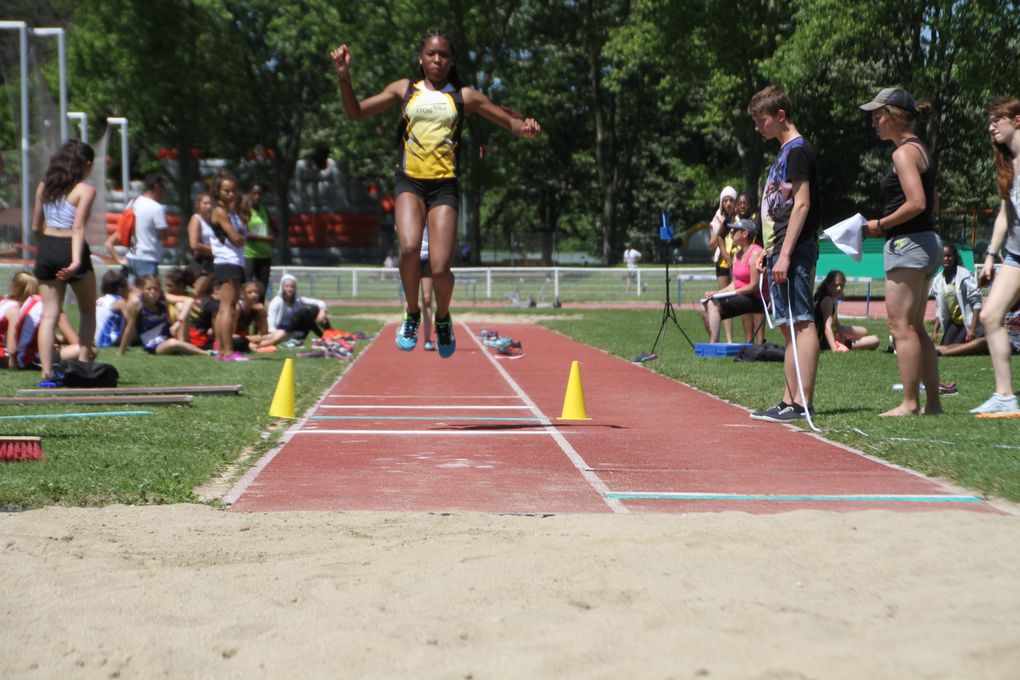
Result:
[{"x": 190, "y": 591}]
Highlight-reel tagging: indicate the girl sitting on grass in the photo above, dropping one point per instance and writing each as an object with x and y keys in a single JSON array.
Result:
[
  {"x": 296, "y": 315},
  {"x": 110, "y": 308},
  {"x": 831, "y": 333},
  {"x": 148, "y": 319}
]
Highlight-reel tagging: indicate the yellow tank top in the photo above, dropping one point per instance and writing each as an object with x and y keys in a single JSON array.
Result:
[{"x": 430, "y": 134}]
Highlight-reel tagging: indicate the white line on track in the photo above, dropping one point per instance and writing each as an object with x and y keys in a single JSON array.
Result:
[
  {"x": 473, "y": 397},
  {"x": 367, "y": 407},
  {"x": 438, "y": 433},
  {"x": 615, "y": 504}
]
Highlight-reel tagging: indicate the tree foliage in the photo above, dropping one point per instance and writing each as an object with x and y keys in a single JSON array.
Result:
[{"x": 642, "y": 102}]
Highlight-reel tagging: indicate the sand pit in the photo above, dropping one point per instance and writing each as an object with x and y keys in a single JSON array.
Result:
[{"x": 190, "y": 591}]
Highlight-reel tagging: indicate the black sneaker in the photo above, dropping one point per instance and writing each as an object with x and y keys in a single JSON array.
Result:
[
  {"x": 780, "y": 413},
  {"x": 768, "y": 413}
]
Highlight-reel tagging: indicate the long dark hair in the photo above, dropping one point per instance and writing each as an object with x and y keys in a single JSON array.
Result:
[
  {"x": 823, "y": 290},
  {"x": 221, "y": 177},
  {"x": 66, "y": 169},
  {"x": 1003, "y": 107}
]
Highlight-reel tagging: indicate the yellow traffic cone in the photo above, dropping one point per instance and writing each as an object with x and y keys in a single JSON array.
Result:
[
  {"x": 283, "y": 399},
  {"x": 573, "y": 401}
]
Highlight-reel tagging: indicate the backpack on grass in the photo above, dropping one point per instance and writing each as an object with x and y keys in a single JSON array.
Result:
[{"x": 80, "y": 374}]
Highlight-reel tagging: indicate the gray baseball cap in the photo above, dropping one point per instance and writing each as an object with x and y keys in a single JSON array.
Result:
[{"x": 892, "y": 96}]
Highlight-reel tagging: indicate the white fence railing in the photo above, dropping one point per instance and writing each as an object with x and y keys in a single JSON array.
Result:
[{"x": 512, "y": 286}]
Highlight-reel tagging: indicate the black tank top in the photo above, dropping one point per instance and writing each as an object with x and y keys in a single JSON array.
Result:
[{"x": 892, "y": 191}]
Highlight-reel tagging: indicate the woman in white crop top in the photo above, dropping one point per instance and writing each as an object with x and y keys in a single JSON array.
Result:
[
  {"x": 63, "y": 201},
  {"x": 228, "y": 262}
]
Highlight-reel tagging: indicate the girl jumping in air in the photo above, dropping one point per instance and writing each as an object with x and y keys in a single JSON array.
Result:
[{"x": 433, "y": 107}]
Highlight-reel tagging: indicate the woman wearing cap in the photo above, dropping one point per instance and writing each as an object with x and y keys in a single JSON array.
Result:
[
  {"x": 1003, "y": 125},
  {"x": 434, "y": 105},
  {"x": 913, "y": 251},
  {"x": 742, "y": 296},
  {"x": 722, "y": 243}
]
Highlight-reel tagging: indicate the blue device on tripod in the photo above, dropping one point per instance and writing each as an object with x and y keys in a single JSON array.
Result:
[{"x": 666, "y": 230}]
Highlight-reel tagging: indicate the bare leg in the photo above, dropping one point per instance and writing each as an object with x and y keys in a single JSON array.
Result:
[
  {"x": 224, "y": 322},
  {"x": 442, "y": 239},
  {"x": 915, "y": 353},
  {"x": 1004, "y": 294},
  {"x": 52, "y": 294},
  {"x": 860, "y": 337},
  {"x": 426, "y": 307},
  {"x": 85, "y": 291},
  {"x": 410, "y": 216},
  {"x": 806, "y": 356},
  {"x": 747, "y": 320},
  {"x": 724, "y": 280}
]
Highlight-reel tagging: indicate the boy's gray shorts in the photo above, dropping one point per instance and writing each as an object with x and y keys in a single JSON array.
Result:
[{"x": 922, "y": 251}]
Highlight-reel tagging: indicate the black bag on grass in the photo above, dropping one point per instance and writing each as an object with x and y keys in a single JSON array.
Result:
[
  {"x": 79, "y": 374},
  {"x": 765, "y": 352}
]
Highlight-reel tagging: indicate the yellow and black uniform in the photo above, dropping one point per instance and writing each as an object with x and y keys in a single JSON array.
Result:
[{"x": 430, "y": 143}]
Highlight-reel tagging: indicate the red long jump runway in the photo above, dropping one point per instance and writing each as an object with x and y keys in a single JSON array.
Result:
[{"x": 408, "y": 431}]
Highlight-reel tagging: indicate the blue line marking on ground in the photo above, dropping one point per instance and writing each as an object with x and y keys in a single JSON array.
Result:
[
  {"x": 79, "y": 415},
  {"x": 431, "y": 418},
  {"x": 639, "y": 495}
]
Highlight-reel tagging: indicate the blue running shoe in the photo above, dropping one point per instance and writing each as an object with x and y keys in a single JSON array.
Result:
[
  {"x": 445, "y": 342},
  {"x": 407, "y": 334}
]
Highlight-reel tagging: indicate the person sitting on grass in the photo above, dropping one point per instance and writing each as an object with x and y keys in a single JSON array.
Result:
[
  {"x": 252, "y": 321},
  {"x": 149, "y": 320},
  {"x": 979, "y": 345},
  {"x": 25, "y": 339},
  {"x": 832, "y": 334},
  {"x": 23, "y": 286},
  {"x": 110, "y": 308},
  {"x": 957, "y": 301},
  {"x": 179, "y": 298},
  {"x": 742, "y": 295},
  {"x": 296, "y": 315}
]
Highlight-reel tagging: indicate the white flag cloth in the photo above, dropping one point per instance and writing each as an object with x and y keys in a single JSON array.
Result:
[{"x": 848, "y": 235}]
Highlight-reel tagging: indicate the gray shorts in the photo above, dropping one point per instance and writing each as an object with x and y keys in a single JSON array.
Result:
[
  {"x": 922, "y": 251},
  {"x": 1011, "y": 259}
]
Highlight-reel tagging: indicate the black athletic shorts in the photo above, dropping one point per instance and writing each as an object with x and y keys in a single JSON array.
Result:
[
  {"x": 54, "y": 253},
  {"x": 724, "y": 271},
  {"x": 201, "y": 267},
  {"x": 433, "y": 191},
  {"x": 426, "y": 270},
  {"x": 738, "y": 305},
  {"x": 228, "y": 272}
]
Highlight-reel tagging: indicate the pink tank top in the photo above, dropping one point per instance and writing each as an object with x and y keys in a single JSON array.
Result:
[{"x": 742, "y": 266}]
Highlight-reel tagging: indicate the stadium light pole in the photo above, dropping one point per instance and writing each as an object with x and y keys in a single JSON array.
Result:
[
  {"x": 62, "y": 60},
  {"x": 83, "y": 123},
  {"x": 124, "y": 174},
  {"x": 26, "y": 195}
]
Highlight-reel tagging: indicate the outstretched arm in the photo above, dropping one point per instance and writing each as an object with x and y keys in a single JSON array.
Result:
[
  {"x": 476, "y": 102},
  {"x": 356, "y": 110}
]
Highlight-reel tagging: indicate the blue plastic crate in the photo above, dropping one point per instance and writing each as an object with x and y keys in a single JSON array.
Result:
[{"x": 719, "y": 349}]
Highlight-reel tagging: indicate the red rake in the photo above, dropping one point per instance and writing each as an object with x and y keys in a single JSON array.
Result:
[{"x": 20, "y": 448}]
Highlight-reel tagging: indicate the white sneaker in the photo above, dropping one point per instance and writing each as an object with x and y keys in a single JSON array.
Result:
[{"x": 998, "y": 404}]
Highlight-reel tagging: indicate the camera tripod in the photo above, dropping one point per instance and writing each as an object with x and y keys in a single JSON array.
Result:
[{"x": 668, "y": 313}]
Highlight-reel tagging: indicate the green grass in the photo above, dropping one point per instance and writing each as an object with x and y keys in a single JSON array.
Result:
[
  {"x": 852, "y": 389},
  {"x": 163, "y": 457},
  {"x": 157, "y": 458}
]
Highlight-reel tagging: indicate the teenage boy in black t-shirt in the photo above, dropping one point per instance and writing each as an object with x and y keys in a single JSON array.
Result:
[{"x": 790, "y": 217}]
